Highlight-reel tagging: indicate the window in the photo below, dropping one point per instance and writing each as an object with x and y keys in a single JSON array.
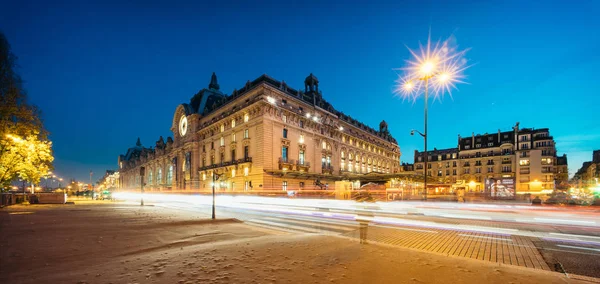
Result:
[
  {"x": 285, "y": 133},
  {"x": 246, "y": 117},
  {"x": 490, "y": 169},
  {"x": 203, "y": 162},
  {"x": 222, "y": 141},
  {"x": 467, "y": 171},
  {"x": 222, "y": 127},
  {"x": 212, "y": 159},
  {"x": 490, "y": 144},
  {"x": 301, "y": 185},
  {"x": 233, "y": 155},
  {"x": 222, "y": 157},
  {"x": 212, "y": 145},
  {"x": 454, "y": 172},
  {"x": 233, "y": 137},
  {"x": 525, "y": 146},
  {"x": 506, "y": 169},
  {"x": 283, "y": 102},
  {"x": 524, "y": 162},
  {"x": 246, "y": 133},
  {"x": 232, "y": 123},
  {"x": 284, "y": 153},
  {"x": 232, "y": 175},
  {"x": 324, "y": 145},
  {"x": 159, "y": 176},
  {"x": 439, "y": 173},
  {"x": 150, "y": 177},
  {"x": 301, "y": 123},
  {"x": 284, "y": 186},
  {"x": 344, "y": 139},
  {"x": 342, "y": 154},
  {"x": 447, "y": 164},
  {"x": 429, "y": 166},
  {"x": 284, "y": 118},
  {"x": 246, "y": 170},
  {"x": 301, "y": 157},
  {"x": 447, "y": 172},
  {"x": 329, "y": 161},
  {"x": 477, "y": 170},
  {"x": 439, "y": 157},
  {"x": 170, "y": 175},
  {"x": 246, "y": 152},
  {"x": 323, "y": 162},
  {"x": 301, "y": 140},
  {"x": 467, "y": 147}
]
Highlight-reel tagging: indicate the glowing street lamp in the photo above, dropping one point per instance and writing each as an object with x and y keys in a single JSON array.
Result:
[{"x": 438, "y": 67}]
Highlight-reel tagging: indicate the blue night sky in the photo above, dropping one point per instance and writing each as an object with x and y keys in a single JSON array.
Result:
[{"x": 107, "y": 72}]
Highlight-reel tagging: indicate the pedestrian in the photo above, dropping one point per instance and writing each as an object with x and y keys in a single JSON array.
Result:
[{"x": 364, "y": 218}]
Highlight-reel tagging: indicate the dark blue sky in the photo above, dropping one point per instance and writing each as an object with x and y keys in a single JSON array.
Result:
[{"x": 107, "y": 72}]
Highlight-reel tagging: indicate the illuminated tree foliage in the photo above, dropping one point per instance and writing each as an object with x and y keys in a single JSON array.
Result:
[{"x": 25, "y": 151}]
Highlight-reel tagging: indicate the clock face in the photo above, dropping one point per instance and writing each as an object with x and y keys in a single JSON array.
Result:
[{"x": 183, "y": 125}]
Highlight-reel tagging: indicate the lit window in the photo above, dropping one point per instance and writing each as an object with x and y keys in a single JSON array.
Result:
[
  {"x": 246, "y": 170},
  {"x": 233, "y": 137},
  {"x": 524, "y": 162},
  {"x": 232, "y": 123},
  {"x": 284, "y": 186},
  {"x": 284, "y": 118},
  {"x": 246, "y": 133},
  {"x": 233, "y": 173},
  {"x": 222, "y": 141},
  {"x": 324, "y": 145},
  {"x": 246, "y": 117},
  {"x": 271, "y": 100},
  {"x": 342, "y": 154},
  {"x": 222, "y": 127},
  {"x": 344, "y": 139},
  {"x": 301, "y": 140}
]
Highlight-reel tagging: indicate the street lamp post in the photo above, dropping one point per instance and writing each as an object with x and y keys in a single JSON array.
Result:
[
  {"x": 440, "y": 65},
  {"x": 215, "y": 177}
]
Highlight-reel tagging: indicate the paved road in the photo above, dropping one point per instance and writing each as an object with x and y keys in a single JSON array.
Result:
[{"x": 548, "y": 238}]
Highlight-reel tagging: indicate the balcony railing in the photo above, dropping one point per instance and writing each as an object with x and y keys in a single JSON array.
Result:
[
  {"x": 507, "y": 162},
  {"x": 328, "y": 169},
  {"x": 228, "y": 163}
]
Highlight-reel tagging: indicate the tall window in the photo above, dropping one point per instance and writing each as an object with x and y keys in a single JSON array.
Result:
[
  {"x": 212, "y": 145},
  {"x": 285, "y": 133},
  {"x": 203, "y": 162},
  {"x": 284, "y": 153},
  {"x": 301, "y": 140},
  {"x": 170, "y": 175},
  {"x": 246, "y": 152},
  {"x": 232, "y": 123},
  {"x": 222, "y": 157},
  {"x": 246, "y": 117},
  {"x": 301, "y": 157},
  {"x": 233, "y": 155},
  {"x": 222, "y": 127},
  {"x": 222, "y": 141},
  {"x": 159, "y": 176},
  {"x": 301, "y": 123},
  {"x": 150, "y": 177},
  {"x": 284, "y": 186},
  {"x": 212, "y": 159},
  {"x": 233, "y": 137},
  {"x": 328, "y": 161},
  {"x": 284, "y": 118},
  {"x": 323, "y": 165},
  {"x": 246, "y": 133}
]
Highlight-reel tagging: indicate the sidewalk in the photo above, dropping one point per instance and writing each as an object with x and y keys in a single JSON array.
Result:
[{"x": 120, "y": 243}]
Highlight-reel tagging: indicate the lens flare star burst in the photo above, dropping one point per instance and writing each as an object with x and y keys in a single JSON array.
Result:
[{"x": 438, "y": 67}]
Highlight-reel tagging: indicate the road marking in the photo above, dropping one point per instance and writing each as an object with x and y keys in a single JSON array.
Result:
[
  {"x": 563, "y": 221},
  {"x": 565, "y": 246},
  {"x": 577, "y": 236},
  {"x": 465, "y": 217},
  {"x": 483, "y": 237}
]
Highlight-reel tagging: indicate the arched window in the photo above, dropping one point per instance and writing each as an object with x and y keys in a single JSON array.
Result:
[
  {"x": 150, "y": 177},
  {"x": 170, "y": 175},
  {"x": 159, "y": 176}
]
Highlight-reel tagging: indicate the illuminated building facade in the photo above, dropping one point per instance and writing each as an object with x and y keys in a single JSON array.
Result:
[
  {"x": 526, "y": 155},
  {"x": 265, "y": 136},
  {"x": 588, "y": 176}
]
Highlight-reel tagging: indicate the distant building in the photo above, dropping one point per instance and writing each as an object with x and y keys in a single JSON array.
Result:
[
  {"x": 562, "y": 172},
  {"x": 588, "y": 175},
  {"x": 527, "y": 155},
  {"x": 266, "y": 136}
]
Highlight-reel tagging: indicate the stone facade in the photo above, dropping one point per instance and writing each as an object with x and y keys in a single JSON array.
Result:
[
  {"x": 264, "y": 137},
  {"x": 527, "y": 155}
]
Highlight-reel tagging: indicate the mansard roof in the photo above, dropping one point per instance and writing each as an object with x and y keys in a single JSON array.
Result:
[{"x": 215, "y": 99}]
